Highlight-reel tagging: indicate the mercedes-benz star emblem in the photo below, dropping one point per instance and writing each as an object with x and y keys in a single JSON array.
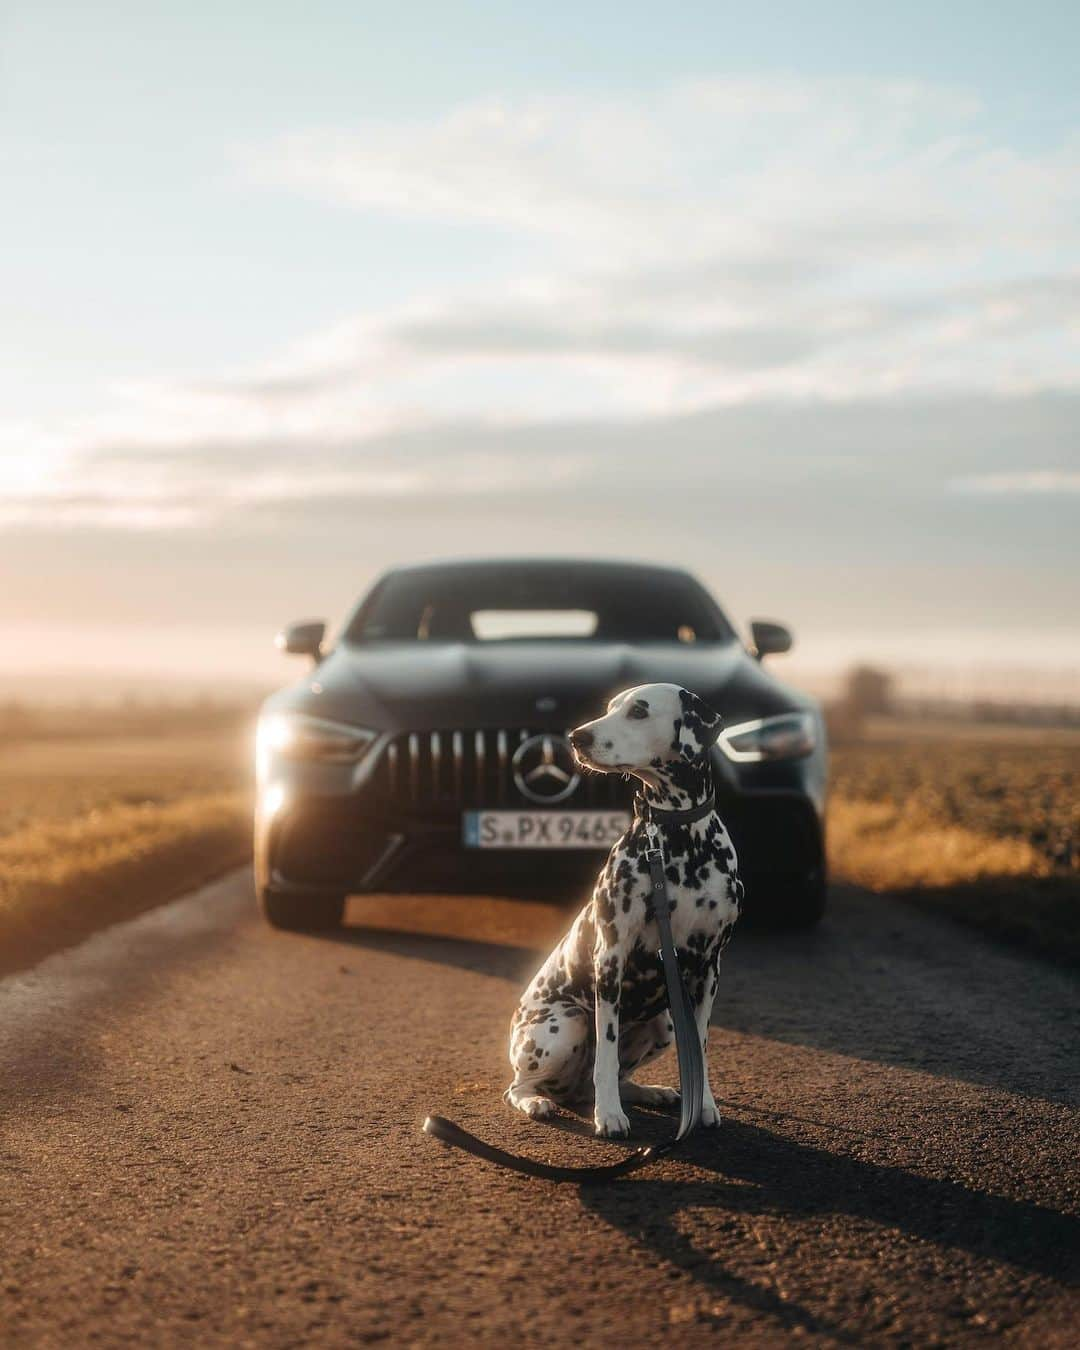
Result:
[{"x": 544, "y": 769}]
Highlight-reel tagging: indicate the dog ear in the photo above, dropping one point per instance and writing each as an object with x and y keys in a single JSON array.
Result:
[{"x": 704, "y": 722}]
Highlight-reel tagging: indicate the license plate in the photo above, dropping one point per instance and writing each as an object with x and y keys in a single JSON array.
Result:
[{"x": 543, "y": 829}]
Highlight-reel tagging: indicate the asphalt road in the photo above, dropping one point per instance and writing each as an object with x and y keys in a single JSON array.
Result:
[{"x": 210, "y": 1136}]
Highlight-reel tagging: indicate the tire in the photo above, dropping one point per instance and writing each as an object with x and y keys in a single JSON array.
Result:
[
  {"x": 300, "y": 913},
  {"x": 789, "y": 900}
]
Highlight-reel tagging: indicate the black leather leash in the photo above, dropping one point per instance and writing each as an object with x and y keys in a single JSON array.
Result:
[{"x": 688, "y": 1045}]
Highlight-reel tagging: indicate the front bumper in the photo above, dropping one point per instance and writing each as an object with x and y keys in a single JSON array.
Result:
[{"x": 367, "y": 839}]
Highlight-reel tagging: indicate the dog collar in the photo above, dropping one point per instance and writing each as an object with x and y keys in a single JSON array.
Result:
[{"x": 654, "y": 814}]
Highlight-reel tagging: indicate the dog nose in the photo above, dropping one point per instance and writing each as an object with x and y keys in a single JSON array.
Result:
[{"x": 581, "y": 739}]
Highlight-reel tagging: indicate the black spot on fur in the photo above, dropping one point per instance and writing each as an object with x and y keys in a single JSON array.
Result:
[{"x": 703, "y": 723}]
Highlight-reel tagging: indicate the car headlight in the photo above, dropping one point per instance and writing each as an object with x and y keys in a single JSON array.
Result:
[
  {"x": 298, "y": 736},
  {"x": 787, "y": 736}
]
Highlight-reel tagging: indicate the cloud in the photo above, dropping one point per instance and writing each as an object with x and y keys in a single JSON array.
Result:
[
  {"x": 837, "y": 515},
  {"x": 593, "y": 348},
  {"x": 850, "y": 170},
  {"x": 582, "y": 354},
  {"x": 808, "y": 251},
  {"x": 708, "y": 323},
  {"x": 723, "y": 239},
  {"x": 700, "y": 160},
  {"x": 835, "y": 464}
]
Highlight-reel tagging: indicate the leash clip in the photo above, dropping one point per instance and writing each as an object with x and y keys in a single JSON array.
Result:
[{"x": 654, "y": 859}]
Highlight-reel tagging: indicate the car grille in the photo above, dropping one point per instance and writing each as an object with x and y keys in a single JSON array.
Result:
[{"x": 472, "y": 767}]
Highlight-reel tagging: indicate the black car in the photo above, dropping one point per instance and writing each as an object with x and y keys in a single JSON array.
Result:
[{"x": 427, "y": 751}]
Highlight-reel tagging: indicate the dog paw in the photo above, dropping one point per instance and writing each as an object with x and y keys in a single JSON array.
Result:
[
  {"x": 538, "y": 1108},
  {"x": 649, "y": 1095},
  {"x": 710, "y": 1116},
  {"x": 611, "y": 1124}
]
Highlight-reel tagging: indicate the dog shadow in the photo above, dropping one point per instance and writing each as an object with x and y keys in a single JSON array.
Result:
[
  {"x": 650, "y": 1125},
  {"x": 747, "y": 1169},
  {"x": 755, "y": 1171},
  {"x": 835, "y": 989}
]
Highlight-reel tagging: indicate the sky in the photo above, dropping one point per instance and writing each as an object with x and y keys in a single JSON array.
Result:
[{"x": 786, "y": 293}]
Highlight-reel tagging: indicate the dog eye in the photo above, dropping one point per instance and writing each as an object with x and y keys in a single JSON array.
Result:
[{"x": 637, "y": 711}]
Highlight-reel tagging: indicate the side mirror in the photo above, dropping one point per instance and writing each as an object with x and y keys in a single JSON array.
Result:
[
  {"x": 770, "y": 639},
  {"x": 302, "y": 639}
]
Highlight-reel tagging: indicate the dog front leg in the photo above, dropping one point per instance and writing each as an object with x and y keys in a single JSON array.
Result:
[
  {"x": 611, "y": 1121},
  {"x": 710, "y": 1115}
]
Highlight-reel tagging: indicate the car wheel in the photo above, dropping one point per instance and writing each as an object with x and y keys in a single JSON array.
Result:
[
  {"x": 300, "y": 912},
  {"x": 789, "y": 900}
]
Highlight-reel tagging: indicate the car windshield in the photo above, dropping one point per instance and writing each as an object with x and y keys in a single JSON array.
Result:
[{"x": 570, "y": 603}]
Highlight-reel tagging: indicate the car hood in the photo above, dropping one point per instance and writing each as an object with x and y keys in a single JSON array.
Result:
[{"x": 430, "y": 686}]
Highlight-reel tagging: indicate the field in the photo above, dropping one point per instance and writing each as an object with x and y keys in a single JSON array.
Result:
[
  {"x": 103, "y": 812},
  {"x": 981, "y": 823}
]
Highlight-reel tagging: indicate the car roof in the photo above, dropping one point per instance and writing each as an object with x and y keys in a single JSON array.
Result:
[{"x": 598, "y": 567}]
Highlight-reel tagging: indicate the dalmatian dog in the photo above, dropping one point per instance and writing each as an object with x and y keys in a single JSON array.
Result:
[{"x": 597, "y": 1008}]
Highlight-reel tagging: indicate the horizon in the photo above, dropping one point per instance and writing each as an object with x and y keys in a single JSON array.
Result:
[{"x": 225, "y": 664}]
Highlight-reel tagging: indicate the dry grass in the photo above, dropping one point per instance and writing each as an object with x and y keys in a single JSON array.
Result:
[
  {"x": 60, "y": 881},
  {"x": 907, "y": 811},
  {"x": 69, "y": 778},
  {"x": 888, "y": 847},
  {"x": 987, "y": 831},
  {"x": 94, "y": 828}
]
